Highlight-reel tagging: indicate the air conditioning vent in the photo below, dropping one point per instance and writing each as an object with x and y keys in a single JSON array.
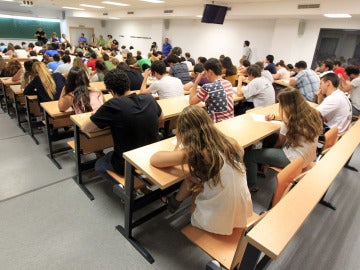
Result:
[
  {"x": 308, "y": 6},
  {"x": 130, "y": 12},
  {"x": 168, "y": 11}
]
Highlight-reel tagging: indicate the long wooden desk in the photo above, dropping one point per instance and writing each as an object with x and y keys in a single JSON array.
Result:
[
  {"x": 273, "y": 233},
  {"x": 166, "y": 178}
]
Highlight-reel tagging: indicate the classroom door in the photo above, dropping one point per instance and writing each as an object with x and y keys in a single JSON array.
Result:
[{"x": 75, "y": 33}]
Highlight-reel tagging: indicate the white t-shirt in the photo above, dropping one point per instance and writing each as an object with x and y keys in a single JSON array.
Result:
[
  {"x": 221, "y": 208},
  {"x": 306, "y": 149},
  {"x": 260, "y": 91},
  {"x": 267, "y": 75},
  {"x": 21, "y": 53},
  {"x": 247, "y": 53},
  {"x": 355, "y": 93},
  {"x": 64, "y": 68},
  {"x": 284, "y": 73},
  {"x": 336, "y": 110},
  {"x": 167, "y": 87}
]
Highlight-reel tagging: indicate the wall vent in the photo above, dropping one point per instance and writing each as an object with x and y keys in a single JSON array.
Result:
[
  {"x": 308, "y": 6},
  {"x": 168, "y": 11},
  {"x": 130, "y": 12}
]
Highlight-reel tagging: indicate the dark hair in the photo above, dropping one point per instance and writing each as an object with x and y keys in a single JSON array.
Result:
[
  {"x": 93, "y": 55},
  {"x": 331, "y": 77},
  {"x": 270, "y": 58},
  {"x": 290, "y": 66},
  {"x": 172, "y": 58},
  {"x": 281, "y": 63},
  {"x": 82, "y": 99},
  {"x": 100, "y": 66},
  {"x": 337, "y": 62},
  {"x": 66, "y": 58},
  {"x": 138, "y": 57},
  {"x": 31, "y": 45},
  {"x": 187, "y": 54},
  {"x": 329, "y": 64},
  {"x": 254, "y": 71},
  {"x": 131, "y": 47},
  {"x": 80, "y": 54},
  {"x": 230, "y": 69},
  {"x": 75, "y": 78},
  {"x": 32, "y": 53},
  {"x": 158, "y": 67},
  {"x": 123, "y": 66},
  {"x": 177, "y": 51},
  {"x": 199, "y": 68},
  {"x": 246, "y": 63},
  {"x": 301, "y": 64},
  {"x": 106, "y": 57},
  {"x": 17, "y": 47},
  {"x": 202, "y": 59},
  {"x": 145, "y": 66},
  {"x": 56, "y": 57},
  {"x": 28, "y": 65},
  {"x": 247, "y": 43},
  {"x": 213, "y": 64},
  {"x": 117, "y": 81},
  {"x": 352, "y": 70}
]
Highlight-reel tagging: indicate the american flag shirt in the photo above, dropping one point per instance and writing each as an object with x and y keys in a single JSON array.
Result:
[{"x": 218, "y": 98}]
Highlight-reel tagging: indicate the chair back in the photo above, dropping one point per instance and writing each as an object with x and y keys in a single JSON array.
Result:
[{"x": 286, "y": 177}]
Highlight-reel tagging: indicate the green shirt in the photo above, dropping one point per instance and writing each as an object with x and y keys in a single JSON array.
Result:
[
  {"x": 101, "y": 41},
  {"x": 143, "y": 61}
]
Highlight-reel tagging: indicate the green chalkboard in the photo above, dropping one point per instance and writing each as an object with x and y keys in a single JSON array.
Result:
[{"x": 20, "y": 28}]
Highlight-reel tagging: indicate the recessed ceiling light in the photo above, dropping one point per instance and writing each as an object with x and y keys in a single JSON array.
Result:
[
  {"x": 91, "y": 6},
  {"x": 115, "y": 3},
  {"x": 337, "y": 15},
  {"x": 74, "y": 8},
  {"x": 153, "y": 1}
]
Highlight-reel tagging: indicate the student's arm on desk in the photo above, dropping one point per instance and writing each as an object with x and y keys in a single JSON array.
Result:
[
  {"x": 89, "y": 126},
  {"x": 292, "y": 82},
  {"x": 193, "y": 99},
  {"x": 164, "y": 159},
  {"x": 30, "y": 88},
  {"x": 17, "y": 76},
  {"x": 144, "y": 89},
  {"x": 65, "y": 101}
]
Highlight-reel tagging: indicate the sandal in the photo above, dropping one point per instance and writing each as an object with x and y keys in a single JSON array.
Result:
[{"x": 172, "y": 203}]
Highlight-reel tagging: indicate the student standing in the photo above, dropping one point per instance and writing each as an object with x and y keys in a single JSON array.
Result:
[{"x": 217, "y": 174}]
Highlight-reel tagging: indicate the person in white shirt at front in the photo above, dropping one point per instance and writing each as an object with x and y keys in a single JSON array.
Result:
[
  {"x": 165, "y": 86},
  {"x": 259, "y": 90},
  {"x": 335, "y": 108},
  {"x": 64, "y": 68}
]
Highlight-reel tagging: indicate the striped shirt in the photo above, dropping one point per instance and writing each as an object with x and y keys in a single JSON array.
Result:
[{"x": 218, "y": 98}]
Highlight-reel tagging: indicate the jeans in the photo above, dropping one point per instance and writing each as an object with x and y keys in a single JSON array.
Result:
[
  {"x": 272, "y": 156},
  {"x": 103, "y": 164}
]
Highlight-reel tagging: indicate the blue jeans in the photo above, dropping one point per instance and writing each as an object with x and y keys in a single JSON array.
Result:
[
  {"x": 103, "y": 164},
  {"x": 272, "y": 156}
]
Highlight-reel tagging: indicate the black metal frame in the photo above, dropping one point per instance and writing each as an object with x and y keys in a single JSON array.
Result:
[
  {"x": 18, "y": 112},
  {"x": 132, "y": 204}
]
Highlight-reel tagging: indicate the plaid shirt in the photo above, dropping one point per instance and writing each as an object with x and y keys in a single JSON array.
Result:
[{"x": 308, "y": 83}]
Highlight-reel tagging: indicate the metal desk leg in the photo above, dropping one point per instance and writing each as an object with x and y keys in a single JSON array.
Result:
[
  {"x": 17, "y": 113},
  {"x": 49, "y": 136},
  {"x": 129, "y": 208},
  {"x": 79, "y": 165},
  {"x": 31, "y": 128}
]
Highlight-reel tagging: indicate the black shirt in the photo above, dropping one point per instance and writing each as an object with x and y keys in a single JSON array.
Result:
[
  {"x": 41, "y": 36},
  {"x": 133, "y": 121}
]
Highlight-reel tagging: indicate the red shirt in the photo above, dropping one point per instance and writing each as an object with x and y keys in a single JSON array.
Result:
[{"x": 341, "y": 70}]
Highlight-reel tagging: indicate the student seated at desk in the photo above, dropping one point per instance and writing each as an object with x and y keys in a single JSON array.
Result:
[
  {"x": 78, "y": 94},
  {"x": 217, "y": 94},
  {"x": 45, "y": 85},
  {"x": 28, "y": 75},
  {"x": 298, "y": 136},
  {"x": 165, "y": 86},
  {"x": 217, "y": 175},
  {"x": 198, "y": 68},
  {"x": 259, "y": 90},
  {"x": 11, "y": 68},
  {"x": 133, "y": 119}
]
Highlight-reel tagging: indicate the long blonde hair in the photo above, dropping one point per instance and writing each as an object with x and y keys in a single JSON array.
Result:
[
  {"x": 197, "y": 133},
  {"x": 46, "y": 79},
  {"x": 301, "y": 119}
]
